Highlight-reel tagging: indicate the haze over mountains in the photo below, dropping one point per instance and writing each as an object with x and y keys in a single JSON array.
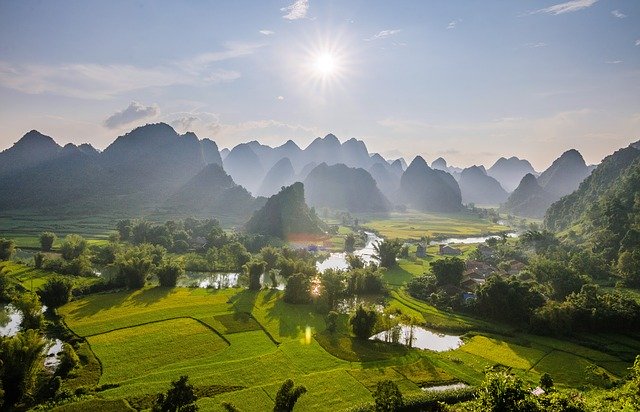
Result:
[{"x": 155, "y": 169}]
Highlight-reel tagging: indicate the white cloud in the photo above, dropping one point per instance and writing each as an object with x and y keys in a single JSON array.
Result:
[
  {"x": 280, "y": 97},
  {"x": 104, "y": 81},
  {"x": 384, "y": 34},
  {"x": 535, "y": 45},
  {"x": 135, "y": 111},
  {"x": 638, "y": 42},
  {"x": 618, "y": 14},
  {"x": 568, "y": 7},
  {"x": 613, "y": 61},
  {"x": 453, "y": 23},
  {"x": 267, "y": 32},
  {"x": 184, "y": 124},
  {"x": 297, "y": 10}
]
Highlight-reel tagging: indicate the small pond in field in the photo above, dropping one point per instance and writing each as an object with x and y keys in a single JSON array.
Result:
[
  {"x": 348, "y": 305},
  {"x": 420, "y": 338},
  {"x": 212, "y": 280},
  {"x": 221, "y": 280},
  {"x": 339, "y": 260},
  {"x": 10, "y": 319},
  {"x": 442, "y": 388}
]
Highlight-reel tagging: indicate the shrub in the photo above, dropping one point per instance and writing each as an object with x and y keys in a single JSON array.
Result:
[
  {"x": 56, "y": 292},
  {"x": 46, "y": 240}
]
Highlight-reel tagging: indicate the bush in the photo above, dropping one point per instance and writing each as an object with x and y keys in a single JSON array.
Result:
[
  {"x": 46, "y": 240},
  {"x": 387, "y": 396},
  {"x": 73, "y": 246},
  {"x": 363, "y": 321},
  {"x": 69, "y": 360},
  {"x": 56, "y": 292},
  {"x": 179, "y": 397},
  {"x": 7, "y": 248},
  {"x": 287, "y": 396},
  {"x": 297, "y": 289},
  {"x": 169, "y": 272}
]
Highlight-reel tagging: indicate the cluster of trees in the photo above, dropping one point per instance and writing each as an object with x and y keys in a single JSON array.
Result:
[{"x": 441, "y": 287}]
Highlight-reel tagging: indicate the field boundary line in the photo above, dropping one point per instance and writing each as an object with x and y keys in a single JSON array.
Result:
[
  {"x": 263, "y": 328},
  {"x": 85, "y": 340},
  {"x": 206, "y": 325}
]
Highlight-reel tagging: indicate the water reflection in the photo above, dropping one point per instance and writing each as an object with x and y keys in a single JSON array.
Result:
[
  {"x": 419, "y": 337},
  {"x": 339, "y": 260}
]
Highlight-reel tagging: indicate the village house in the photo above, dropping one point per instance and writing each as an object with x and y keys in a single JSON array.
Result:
[{"x": 447, "y": 250}]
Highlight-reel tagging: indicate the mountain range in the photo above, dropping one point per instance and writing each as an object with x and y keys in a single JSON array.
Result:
[{"x": 153, "y": 169}]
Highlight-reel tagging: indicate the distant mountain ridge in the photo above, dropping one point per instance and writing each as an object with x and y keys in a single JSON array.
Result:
[
  {"x": 509, "y": 172},
  {"x": 426, "y": 189},
  {"x": 479, "y": 188}
]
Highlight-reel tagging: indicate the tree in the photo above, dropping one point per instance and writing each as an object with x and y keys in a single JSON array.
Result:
[
  {"x": 169, "y": 272},
  {"x": 22, "y": 360},
  {"x": 502, "y": 392},
  {"x": 179, "y": 398},
  {"x": 448, "y": 271},
  {"x": 349, "y": 243},
  {"x": 270, "y": 257},
  {"x": 38, "y": 260},
  {"x": 332, "y": 321},
  {"x": 297, "y": 289},
  {"x": 134, "y": 265},
  {"x": 73, "y": 246},
  {"x": 546, "y": 382},
  {"x": 332, "y": 286},
  {"x": 254, "y": 271},
  {"x": 46, "y": 241},
  {"x": 629, "y": 268},
  {"x": 124, "y": 229},
  {"x": 561, "y": 278},
  {"x": 29, "y": 304},
  {"x": 287, "y": 396},
  {"x": 387, "y": 396},
  {"x": 363, "y": 321},
  {"x": 508, "y": 300},
  {"x": 7, "y": 248},
  {"x": 56, "y": 292},
  {"x": 355, "y": 261},
  {"x": 68, "y": 361},
  {"x": 386, "y": 252}
]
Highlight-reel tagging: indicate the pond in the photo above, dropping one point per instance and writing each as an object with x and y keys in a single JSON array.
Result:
[
  {"x": 420, "y": 338},
  {"x": 442, "y": 388},
  {"x": 213, "y": 280},
  {"x": 339, "y": 260},
  {"x": 221, "y": 280},
  {"x": 10, "y": 319},
  {"x": 349, "y": 305}
]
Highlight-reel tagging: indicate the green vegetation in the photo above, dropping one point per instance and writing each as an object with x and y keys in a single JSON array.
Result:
[{"x": 415, "y": 225}]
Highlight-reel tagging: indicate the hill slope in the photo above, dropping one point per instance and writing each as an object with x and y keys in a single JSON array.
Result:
[
  {"x": 430, "y": 190},
  {"x": 479, "y": 188},
  {"x": 286, "y": 215},
  {"x": 529, "y": 199},
  {"x": 344, "y": 188}
]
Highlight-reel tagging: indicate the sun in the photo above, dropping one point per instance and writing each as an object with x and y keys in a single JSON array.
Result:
[{"x": 325, "y": 64}]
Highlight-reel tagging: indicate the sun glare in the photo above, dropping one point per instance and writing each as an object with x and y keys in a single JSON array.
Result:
[{"x": 325, "y": 64}]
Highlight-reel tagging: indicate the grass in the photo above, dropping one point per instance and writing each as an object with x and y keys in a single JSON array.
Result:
[
  {"x": 414, "y": 225},
  {"x": 33, "y": 279},
  {"x": 141, "y": 349},
  {"x": 102, "y": 405}
]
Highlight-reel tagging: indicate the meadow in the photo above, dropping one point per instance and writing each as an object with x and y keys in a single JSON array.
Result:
[
  {"x": 414, "y": 225},
  {"x": 239, "y": 346}
]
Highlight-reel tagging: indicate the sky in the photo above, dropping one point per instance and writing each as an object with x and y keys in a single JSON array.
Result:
[{"x": 466, "y": 80}]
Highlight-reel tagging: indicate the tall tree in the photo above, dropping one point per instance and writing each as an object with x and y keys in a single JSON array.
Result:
[
  {"x": 22, "y": 359},
  {"x": 179, "y": 398},
  {"x": 7, "y": 248},
  {"x": 56, "y": 292},
  {"x": 254, "y": 271},
  {"x": 386, "y": 252},
  {"x": 448, "y": 271},
  {"x": 73, "y": 246},
  {"x": 46, "y": 240},
  {"x": 387, "y": 396},
  {"x": 287, "y": 396},
  {"x": 363, "y": 321}
]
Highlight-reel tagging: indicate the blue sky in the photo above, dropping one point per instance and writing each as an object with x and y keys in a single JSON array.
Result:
[{"x": 467, "y": 80}]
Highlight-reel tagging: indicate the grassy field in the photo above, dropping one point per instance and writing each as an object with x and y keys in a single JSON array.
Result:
[
  {"x": 33, "y": 279},
  {"x": 246, "y": 343},
  {"x": 414, "y": 225},
  {"x": 238, "y": 345}
]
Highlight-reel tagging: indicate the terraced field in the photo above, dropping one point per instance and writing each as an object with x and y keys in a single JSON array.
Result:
[{"x": 238, "y": 346}]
